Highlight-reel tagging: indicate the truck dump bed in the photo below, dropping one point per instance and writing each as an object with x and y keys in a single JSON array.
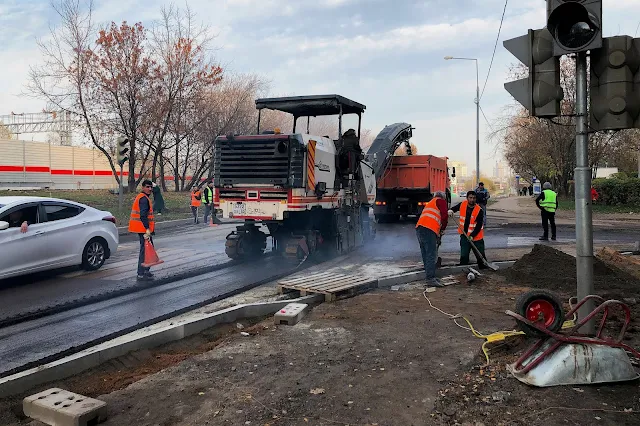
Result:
[{"x": 415, "y": 172}]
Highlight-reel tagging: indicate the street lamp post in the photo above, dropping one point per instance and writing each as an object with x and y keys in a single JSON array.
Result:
[{"x": 448, "y": 58}]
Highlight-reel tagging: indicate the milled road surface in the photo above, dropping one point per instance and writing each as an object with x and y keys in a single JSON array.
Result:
[{"x": 35, "y": 340}]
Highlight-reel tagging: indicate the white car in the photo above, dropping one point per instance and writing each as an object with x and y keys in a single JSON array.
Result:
[{"x": 60, "y": 233}]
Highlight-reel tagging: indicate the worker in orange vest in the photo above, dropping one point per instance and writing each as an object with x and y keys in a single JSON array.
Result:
[
  {"x": 142, "y": 223},
  {"x": 431, "y": 225},
  {"x": 195, "y": 203},
  {"x": 470, "y": 228}
]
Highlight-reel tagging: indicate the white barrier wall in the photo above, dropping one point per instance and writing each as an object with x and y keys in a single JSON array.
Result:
[
  {"x": 26, "y": 164},
  {"x": 36, "y": 165}
]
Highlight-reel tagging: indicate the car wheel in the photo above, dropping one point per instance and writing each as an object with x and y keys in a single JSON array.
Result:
[{"x": 94, "y": 254}]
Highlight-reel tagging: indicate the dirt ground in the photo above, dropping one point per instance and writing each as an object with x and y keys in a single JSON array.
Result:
[{"x": 381, "y": 358}]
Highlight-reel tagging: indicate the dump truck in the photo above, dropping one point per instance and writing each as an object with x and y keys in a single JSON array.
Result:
[{"x": 405, "y": 184}]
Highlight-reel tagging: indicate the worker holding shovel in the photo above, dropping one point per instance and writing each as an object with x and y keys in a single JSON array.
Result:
[{"x": 471, "y": 229}]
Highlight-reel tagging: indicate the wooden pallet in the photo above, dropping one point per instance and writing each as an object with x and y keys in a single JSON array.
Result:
[{"x": 332, "y": 285}]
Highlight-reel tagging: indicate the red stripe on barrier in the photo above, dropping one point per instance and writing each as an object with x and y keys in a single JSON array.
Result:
[
  {"x": 61, "y": 172},
  {"x": 37, "y": 169},
  {"x": 83, "y": 172},
  {"x": 104, "y": 173},
  {"x": 11, "y": 169}
]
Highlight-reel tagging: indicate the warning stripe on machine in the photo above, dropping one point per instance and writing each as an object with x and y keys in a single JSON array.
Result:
[{"x": 311, "y": 165}]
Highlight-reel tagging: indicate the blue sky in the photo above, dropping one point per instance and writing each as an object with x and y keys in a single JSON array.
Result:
[{"x": 385, "y": 54}]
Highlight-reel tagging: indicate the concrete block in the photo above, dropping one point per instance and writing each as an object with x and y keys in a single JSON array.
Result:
[
  {"x": 290, "y": 314},
  {"x": 58, "y": 407}
]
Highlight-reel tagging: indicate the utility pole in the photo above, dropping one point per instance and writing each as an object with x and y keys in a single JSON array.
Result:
[
  {"x": 582, "y": 176},
  {"x": 120, "y": 197},
  {"x": 477, "y": 127}
]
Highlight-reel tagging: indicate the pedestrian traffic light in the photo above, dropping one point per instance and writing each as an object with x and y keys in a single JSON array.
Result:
[
  {"x": 615, "y": 84},
  {"x": 575, "y": 25},
  {"x": 540, "y": 93},
  {"x": 122, "y": 150}
]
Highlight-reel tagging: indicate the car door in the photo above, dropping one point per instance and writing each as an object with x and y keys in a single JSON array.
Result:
[
  {"x": 65, "y": 237},
  {"x": 22, "y": 253}
]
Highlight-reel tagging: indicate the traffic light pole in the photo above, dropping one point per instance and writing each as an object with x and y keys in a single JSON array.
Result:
[
  {"x": 582, "y": 175},
  {"x": 120, "y": 197}
]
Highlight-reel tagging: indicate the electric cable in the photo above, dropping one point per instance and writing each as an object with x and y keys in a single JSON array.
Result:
[{"x": 494, "y": 48}]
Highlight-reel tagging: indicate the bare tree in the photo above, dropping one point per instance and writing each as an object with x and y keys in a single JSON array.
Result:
[
  {"x": 186, "y": 74},
  {"x": 63, "y": 79}
]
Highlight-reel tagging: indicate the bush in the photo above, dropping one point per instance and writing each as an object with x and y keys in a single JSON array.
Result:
[{"x": 618, "y": 191}]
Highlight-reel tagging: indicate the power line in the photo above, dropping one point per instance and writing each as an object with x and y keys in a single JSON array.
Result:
[
  {"x": 486, "y": 119},
  {"x": 495, "y": 47}
]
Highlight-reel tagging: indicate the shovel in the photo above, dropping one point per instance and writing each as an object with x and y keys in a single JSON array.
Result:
[{"x": 479, "y": 256}]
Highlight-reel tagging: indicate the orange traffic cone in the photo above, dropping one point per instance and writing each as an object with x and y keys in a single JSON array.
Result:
[
  {"x": 213, "y": 222},
  {"x": 150, "y": 256}
]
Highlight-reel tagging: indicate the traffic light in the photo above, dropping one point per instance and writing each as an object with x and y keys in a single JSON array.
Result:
[
  {"x": 615, "y": 84},
  {"x": 575, "y": 25},
  {"x": 122, "y": 150},
  {"x": 540, "y": 93}
]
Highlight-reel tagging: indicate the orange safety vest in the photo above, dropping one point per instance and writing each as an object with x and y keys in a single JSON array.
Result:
[
  {"x": 194, "y": 201},
  {"x": 472, "y": 221},
  {"x": 135, "y": 224},
  {"x": 430, "y": 217}
]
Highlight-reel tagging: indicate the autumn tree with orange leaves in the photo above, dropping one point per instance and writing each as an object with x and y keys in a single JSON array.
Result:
[{"x": 147, "y": 85}]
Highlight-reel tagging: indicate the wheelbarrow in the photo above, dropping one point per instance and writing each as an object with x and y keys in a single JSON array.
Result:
[{"x": 563, "y": 356}]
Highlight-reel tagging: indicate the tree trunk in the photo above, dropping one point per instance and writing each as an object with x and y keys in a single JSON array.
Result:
[{"x": 154, "y": 166}]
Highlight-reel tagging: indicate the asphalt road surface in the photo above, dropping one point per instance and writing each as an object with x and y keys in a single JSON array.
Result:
[{"x": 187, "y": 249}]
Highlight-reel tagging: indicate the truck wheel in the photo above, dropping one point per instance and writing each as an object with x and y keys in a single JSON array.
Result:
[{"x": 541, "y": 307}]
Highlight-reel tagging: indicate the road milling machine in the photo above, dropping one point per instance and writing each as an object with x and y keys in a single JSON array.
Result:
[{"x": 312, "y": 193}]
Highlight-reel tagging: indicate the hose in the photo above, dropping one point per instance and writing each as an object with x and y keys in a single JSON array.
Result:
[
  {"x": 497, "y": 336},
  {"x": 490, "y": 338}
]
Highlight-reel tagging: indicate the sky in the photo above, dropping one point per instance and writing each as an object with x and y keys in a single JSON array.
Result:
[{"x": 386, "y": 54}]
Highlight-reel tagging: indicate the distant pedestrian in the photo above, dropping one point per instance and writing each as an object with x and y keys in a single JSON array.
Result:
[
  {"x": 158, "y": 200},
  {"x": 594, "y": 195},
  {"x": 142, "y": 223},
  {"x": 195, "y": 203},
  {"x": 470, "y": 228},
  {"x": 482, "y": 197},
  {"x": 547, "y": 202},
  {"x": 207, "y": 200},
  {"x": 530, "y": 190},
  {"x": 431, "y": 225}
]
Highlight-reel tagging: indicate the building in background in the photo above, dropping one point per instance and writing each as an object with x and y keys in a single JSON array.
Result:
[
  {"x": 461, "y": 168},
  {"x": 501, "y": 171}
]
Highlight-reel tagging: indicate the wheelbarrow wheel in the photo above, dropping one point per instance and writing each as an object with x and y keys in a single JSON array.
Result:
[{"x": 541, "y": 307}]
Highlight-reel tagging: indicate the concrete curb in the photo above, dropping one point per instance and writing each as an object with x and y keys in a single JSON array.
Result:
[{"x": 148, "y": 337}]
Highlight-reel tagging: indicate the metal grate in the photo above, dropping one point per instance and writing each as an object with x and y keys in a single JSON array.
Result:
[
  {"x": 269, "y": 195},
  {"x": 267, "y": 159}
]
